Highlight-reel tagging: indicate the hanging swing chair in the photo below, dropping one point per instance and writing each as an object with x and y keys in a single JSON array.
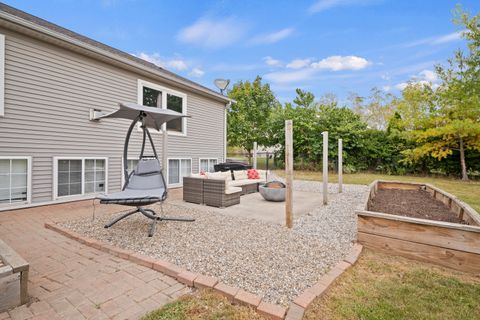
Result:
[{"x": 145, "y": 185}]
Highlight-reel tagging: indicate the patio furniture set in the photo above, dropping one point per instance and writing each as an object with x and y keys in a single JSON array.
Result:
[{"x": 220, "y": 189}]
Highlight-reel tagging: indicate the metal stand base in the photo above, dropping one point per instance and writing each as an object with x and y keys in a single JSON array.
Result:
[{"x": 149, "y": 213}]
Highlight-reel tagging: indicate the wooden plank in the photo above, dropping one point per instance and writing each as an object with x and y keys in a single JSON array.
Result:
[
  {"x": 5, "y": 271},
  {"x": 24, "y": 286},
  {"x": 417, "y": 220},
  {"x": 289, "y": 173},
  {"x": 461, "y": 240},
  {"x": 10, "y": 257},
  {"x": 398, "y": 185},
  {"x": 463, "y": 261},
  {"x": 325, "y": 167},
  {"x": 340, "y": 165}
]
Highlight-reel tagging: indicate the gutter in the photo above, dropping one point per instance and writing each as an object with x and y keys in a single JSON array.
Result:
[{"x": 64, "y": 38}]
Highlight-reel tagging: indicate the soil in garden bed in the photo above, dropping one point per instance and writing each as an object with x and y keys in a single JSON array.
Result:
[{"x": 412, "y": 203}]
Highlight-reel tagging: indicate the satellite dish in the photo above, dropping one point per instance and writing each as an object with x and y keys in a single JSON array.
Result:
[{"x": 221, "y": 84}]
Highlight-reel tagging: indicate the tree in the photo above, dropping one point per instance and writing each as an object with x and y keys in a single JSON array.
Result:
[
  {"x": 248, "y": 117},
  {"x": 451, "y": 121},
  {"x": 310, "y": 118},
  {"x": 376, "y": 110}
]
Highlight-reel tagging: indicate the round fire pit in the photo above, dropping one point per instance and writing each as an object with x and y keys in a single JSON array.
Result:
[{"x": 273, "y": 191}]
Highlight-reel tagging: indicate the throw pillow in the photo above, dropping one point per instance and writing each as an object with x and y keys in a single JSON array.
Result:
[
  {"x": 240, "y": 175},
  {"x": 253, "y": 174}
]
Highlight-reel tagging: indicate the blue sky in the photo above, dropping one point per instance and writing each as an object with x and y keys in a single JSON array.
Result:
[{"x": 324, "y": 46}]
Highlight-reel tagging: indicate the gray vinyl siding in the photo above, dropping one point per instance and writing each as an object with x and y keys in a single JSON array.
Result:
[{"x": 48, "y": 93}]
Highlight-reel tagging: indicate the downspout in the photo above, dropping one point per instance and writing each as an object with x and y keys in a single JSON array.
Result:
[{"x": 227, "y": 106}]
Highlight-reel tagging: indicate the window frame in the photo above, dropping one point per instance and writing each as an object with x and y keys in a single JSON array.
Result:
[
  {"x": 122, "y": 174},
  {"x": 83, "y": 195},
  {"x": 165, "y": 91},
  {"x": 2, "y": 75},
  {"x": 180, "y": 184},
  {"x": 209, "y": 159},
  {"x": 29, "y": 180}
]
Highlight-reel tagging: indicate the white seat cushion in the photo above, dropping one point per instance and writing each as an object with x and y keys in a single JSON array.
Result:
[
  {"x": 231, "y": 190},
  {"x": 198, "y": 175},
  {"x": 216, "y": 175},
  {"x": 244, "y": 182},
  {"x": 240, "y": 174}
]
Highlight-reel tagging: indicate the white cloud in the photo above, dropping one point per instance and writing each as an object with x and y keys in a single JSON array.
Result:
[
  {"x": 425, "y": 78},
  {"x": 337, "y": 63},
  {"x": 385, "y": 77},
  {"x": 155, "y": 58},
  {"x": 290, "y": 76},
  {"x": 298, "y": 63},
  {"x": 177, "y": 64},
  {"x": 386, "y": 88},
  {"x": 428, "y": 75},
  {"x": 446, "y": 38},
  {"x": 323, "y": 5},
  {"x": 196, "y": 72},
  {"x": 272, "y": 62},
  {"x": 272, "y": 37},
  {"x": 213, "y": 33}
]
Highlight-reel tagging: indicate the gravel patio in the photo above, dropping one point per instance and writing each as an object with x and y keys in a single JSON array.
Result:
[{"x": 259, "y": 256}]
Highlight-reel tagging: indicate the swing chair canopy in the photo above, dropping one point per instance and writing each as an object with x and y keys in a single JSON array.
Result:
[{"x": 153, "y": 117}]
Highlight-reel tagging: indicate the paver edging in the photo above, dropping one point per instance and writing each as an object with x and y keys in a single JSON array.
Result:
[
  {"x": 182, "y": 275},
  {"x": 237, "y": 295},
  {"x": 303, "y": 301}
]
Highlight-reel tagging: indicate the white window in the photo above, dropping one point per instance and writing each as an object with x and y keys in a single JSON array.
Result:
[
  {"x": 177, "y": 169},
  {"x": 131, "y": 164},
  {"x": 206, "y": 165},
  {"x": 15, "y": 180},
  {"x": 79, "y": 176},
  {"x": 152, "y": 95},
  {"x": 2, "y": 75}
]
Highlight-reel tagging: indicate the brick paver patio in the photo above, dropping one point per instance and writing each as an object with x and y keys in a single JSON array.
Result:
[{"x": 69, "y": 280}]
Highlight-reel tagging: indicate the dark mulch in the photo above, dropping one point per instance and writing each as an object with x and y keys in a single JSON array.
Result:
[{"x": 412, "y": 203}]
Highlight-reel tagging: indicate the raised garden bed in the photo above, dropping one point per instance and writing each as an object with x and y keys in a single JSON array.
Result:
[{"x": 422, "y": 222}]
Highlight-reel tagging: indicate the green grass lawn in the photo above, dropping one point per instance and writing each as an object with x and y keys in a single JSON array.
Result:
[
  {"x": 468, "y": 191},
  {"x": 377, "y": 287},
  {"x": 203, "y": 305},
  {"x": 386, "y": 287}
]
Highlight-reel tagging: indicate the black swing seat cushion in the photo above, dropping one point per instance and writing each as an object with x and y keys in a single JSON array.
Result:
[{"x": 145, "y": 186}]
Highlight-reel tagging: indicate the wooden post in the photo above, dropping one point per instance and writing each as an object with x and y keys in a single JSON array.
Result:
[
  {"x": 325, "y": 167},
  {"x": 340, "y": 165},
  {"x": 289, "y": 173},
  {"x": 255, "y": 155},
  {"x": 24, "y": 286}
]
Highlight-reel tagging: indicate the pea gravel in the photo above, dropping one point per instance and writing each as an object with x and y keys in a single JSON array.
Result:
[{"x": 267, "y": 259}]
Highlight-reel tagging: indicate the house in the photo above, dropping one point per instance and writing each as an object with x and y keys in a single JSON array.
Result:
[{"x": 51, "y": 79}]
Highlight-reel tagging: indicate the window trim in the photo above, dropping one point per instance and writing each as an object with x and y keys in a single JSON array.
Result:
[
  {"x": 200, "y": 159},
  {"x": 2, "y": 75},
  {"x": 144, "y": 83},
  {"x": 29, "y": 180},
  {"x": 121, "y": 170},
  {"x": 180, "y": 184},
  {"x": 83, "y": 195}
]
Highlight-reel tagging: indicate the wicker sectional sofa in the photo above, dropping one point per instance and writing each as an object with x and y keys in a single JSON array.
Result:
[{"x": 219, "y": 189}]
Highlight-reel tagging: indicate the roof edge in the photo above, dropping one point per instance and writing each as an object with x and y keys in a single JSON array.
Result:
[{"x": 78, "y": 43}]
